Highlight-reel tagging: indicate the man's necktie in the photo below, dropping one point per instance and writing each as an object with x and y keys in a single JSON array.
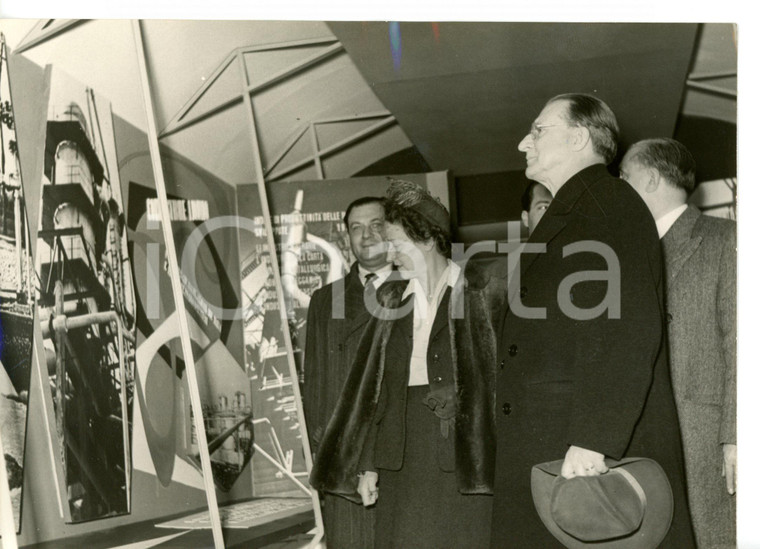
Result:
[{"x": 369, "y": 290}]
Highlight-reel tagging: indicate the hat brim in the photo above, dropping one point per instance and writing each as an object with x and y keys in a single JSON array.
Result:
[{"x": 658, "y": 513}]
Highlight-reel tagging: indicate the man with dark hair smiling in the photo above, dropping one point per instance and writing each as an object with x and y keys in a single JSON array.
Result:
[
  {"x": 582, "y": 375},
  {"x": 332, "y": 336}
]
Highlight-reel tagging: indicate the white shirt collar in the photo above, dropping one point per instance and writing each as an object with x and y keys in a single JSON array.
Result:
[
  {"x": 382, "y": 273},
  {"x": 665, "y": 222},
  {"x": 449, "y": 277}
]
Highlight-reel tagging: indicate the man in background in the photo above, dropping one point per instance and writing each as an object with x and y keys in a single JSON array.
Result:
[
  {"x": 535, "y": 200},
  {"x": 700, "y": 289},
  {"x": 581, "y": 373},
  {"x": 336, "y": 318}
]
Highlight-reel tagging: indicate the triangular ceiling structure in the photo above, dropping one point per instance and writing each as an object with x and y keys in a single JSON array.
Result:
[
  {"x": 262, "y": 66},
  {"x": 462, "y": 93},
  {"x": 44, "y": 30},
  {"x": 315, "y": 115}
]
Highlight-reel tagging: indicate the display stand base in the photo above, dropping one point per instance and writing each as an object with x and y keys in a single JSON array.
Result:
[{"x": 148, "y": 534}]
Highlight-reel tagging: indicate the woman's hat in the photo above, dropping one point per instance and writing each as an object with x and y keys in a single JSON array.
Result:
[
  {"x": 628, "y": 507},
  {"x": 412, "y": 196}
]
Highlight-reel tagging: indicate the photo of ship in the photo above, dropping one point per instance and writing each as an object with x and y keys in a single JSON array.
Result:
[
  {"x": 85, "y": 302},
  {"x": 16, "y": 302}
]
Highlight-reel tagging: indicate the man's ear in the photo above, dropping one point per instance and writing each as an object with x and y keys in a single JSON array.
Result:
[
  {"x": 581, "y": 138},
  {"x": 654, "y": 180},
  {"x": 524, "y": 217}
]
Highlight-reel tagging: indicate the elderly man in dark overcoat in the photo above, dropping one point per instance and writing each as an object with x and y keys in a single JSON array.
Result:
[
  {"x": 582, "y": 366},
  {"x": 337, "y": 317}
]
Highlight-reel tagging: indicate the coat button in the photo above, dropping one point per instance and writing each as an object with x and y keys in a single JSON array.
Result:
[
  {"x": 523, "y": 291},
  {"x": 437, "y": 379},
  {"x": 506, "y": 408},
  {"x": 501, "y": 365},
  {"x": 512, "y": 350},
  {"x": 435, "y": 357}
]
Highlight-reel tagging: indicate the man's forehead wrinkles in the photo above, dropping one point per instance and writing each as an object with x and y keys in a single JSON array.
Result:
[{"x": 361, "y": 221}]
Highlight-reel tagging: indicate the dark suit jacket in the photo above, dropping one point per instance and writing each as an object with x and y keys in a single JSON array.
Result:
[
  {"x": 602, "y": 383},
  {"x": 700, "y": 286},
  {"x": 331, "y": 342},
  {"x": 330, "y": 348}
]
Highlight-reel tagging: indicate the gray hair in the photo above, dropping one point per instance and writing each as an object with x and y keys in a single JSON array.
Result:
[{"x": 670, "y": 158}]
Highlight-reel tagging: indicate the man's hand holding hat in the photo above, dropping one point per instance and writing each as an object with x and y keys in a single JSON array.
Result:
[
  {"x": 580, "y": 462},
  {"x": 629, "y": 507}
]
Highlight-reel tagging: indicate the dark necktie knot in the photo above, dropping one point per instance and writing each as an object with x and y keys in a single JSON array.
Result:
[{"x": 369, "y": 278}]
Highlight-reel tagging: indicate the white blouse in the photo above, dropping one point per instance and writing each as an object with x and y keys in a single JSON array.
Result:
[{"x": 424, "y": 316}]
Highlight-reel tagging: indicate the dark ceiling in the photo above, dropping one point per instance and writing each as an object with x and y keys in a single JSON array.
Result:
[{"x": 465, "y": 93}]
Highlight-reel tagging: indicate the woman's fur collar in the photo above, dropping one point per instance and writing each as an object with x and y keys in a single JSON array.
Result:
[{"x": 473, "y": 343}]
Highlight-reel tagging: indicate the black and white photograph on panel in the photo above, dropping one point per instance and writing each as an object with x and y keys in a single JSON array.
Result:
[
  {"x": 16, "y": 297},
  {"x": 85, "y": 299}
]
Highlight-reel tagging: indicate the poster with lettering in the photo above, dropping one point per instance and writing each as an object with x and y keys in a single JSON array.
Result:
[{"x": 166, "y": 439}]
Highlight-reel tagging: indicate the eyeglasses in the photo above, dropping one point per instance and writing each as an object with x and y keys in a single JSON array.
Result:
[{"x": 537, "y": 130}]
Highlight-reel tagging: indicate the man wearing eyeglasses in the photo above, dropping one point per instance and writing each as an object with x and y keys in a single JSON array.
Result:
[{"x": 581, "y": 375}]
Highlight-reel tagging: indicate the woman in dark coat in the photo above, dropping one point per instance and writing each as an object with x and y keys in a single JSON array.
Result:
[{"x": 413, "y": 432}]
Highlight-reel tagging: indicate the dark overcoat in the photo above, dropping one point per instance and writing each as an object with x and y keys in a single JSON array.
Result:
[
  {"x": 337, "y": 316},
  {"x": 352, "y": 430},
  {"x": 600, "y": 383},
  {"x": 332, "y": 336},
  {"x": 700, "y": 287}
]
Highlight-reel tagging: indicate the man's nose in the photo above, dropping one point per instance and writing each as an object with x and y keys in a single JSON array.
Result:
[{"x": 525, "y": 144}]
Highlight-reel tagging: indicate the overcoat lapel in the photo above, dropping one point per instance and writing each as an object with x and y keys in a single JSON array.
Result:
[
  {"x": 546, "y": 230},
  {"x": 357, "y": 314},
  {"x": 550, "y": 227},
  {"x": 679, "y": 244},
  {"x": 356, "y": 311},
  {"x": 402, "y": 346},
  {"x": 357, "y": 323},
  {"x": 354, "y": 293},
  {"x": 441, "y": 316},
  {"x": 556, "y": 217}
]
